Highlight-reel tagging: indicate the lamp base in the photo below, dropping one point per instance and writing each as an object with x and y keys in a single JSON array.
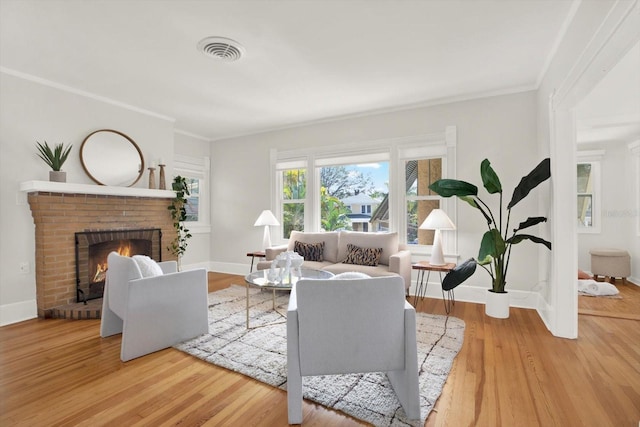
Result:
[
  {"x": 266, "y": 238},
  {"x": 437, "y": 257}
]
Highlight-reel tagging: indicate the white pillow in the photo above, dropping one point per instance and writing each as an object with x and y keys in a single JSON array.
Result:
[
  {"x": 351, "y": 275},
  {"x": 147, "y": 266}
]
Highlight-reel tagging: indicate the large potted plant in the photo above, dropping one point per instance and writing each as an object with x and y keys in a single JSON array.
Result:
[
  {"x": 54, "y": 159},
  {"x": 498, "y": 240},
  {"x": 178, "y": 245}
]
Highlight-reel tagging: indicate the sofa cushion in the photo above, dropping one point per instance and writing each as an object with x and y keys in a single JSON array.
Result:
[
  {"x": 350, "y": 275},
  {"x": 387, "y": 241},
  {"x": 362, "y": 256},
  {"x": 310, "y": 251},
  {"x": 330, "y": 239},
  {"x": 379, "y": 270}
]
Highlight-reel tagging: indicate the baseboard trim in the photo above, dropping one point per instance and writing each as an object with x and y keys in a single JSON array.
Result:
[{"x": 18, "y": 312}]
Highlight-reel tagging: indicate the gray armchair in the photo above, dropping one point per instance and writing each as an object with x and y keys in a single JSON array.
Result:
[{"x": 352, "y": 326}]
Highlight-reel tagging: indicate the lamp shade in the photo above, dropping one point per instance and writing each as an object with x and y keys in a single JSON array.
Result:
[
  {"x": 266, "y": 218},
  {"x": 437, "y": 220}
]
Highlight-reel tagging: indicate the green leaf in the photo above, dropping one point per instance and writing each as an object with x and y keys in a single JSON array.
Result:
[
  {"x": 530, "y": 222},
  {"x": 475, "y": 204},
  {"x": 459, "y": 274},
  {"x": 453, "y": 187},
  {"x": 490, "y": 179},
  {"x": 520, "y": 237},
  {"x": 538, "y": 175},
  {"x": 492, "y": 244}
]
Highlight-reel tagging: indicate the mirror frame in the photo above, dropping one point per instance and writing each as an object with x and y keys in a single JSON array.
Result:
[{"x": 84, "y": 166}]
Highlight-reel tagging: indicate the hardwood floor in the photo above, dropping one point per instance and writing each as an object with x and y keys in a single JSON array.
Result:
[
  {"x": 626, "y": 305},
  {"x": 509, "y": 372}
]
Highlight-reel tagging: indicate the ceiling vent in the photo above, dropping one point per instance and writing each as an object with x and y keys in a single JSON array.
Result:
[{"x": 221, "y": 48}]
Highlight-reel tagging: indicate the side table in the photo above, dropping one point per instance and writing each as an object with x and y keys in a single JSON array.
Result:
[
  {"x": 254, "y": 255},
  {"x": 421, "y": 284}
]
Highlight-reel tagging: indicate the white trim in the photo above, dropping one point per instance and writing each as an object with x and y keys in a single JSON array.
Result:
[
  {"x": 192, "y": 135},
  {"x": 100, "y": 98},
  {"x": 556, "y": 44},
  {"x": 618, "y": 32},
  {"x": 18, "y": 312},
  {"x": 634, "y": 148},
  {"x": 106, "y": 190}
]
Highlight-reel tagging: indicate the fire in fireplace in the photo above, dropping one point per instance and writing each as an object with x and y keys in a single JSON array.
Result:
[{"x": 93, "y": 248}]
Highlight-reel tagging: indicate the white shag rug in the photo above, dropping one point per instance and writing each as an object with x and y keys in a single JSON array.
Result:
[{"x": 261, "y": 353}]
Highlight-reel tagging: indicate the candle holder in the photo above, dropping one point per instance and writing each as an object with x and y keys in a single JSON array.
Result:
[
  {"x": 152, "y": 178},
  {"x": 163, "y": 183}
]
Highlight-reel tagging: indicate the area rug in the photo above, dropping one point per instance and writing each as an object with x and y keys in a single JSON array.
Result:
[{"x": 261, "y": 353}]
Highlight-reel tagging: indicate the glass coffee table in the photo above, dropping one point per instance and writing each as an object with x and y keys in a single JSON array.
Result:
[{"x": 258, "y": 279}]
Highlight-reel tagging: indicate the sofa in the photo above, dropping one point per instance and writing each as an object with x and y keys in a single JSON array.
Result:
[{"x": 375, "y": 254}]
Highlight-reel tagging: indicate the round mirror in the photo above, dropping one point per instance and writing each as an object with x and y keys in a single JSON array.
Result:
[{"x": 110, "y": 157}]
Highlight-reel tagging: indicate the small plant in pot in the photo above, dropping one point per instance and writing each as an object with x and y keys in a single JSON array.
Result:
[
  {"x": 54, "y": 158},
  {"x": 498, "y": 240}
]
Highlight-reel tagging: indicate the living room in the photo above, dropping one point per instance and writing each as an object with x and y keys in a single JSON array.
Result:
[{"x": 511, "y": 127}]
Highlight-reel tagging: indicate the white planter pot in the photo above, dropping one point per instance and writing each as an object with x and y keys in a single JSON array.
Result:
[{"x": 497, "y": 305}]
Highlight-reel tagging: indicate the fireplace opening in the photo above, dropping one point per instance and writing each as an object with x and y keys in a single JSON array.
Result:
[{"x": 93, "y": 248}]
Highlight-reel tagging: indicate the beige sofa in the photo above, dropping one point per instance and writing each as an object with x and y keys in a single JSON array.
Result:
[{"x": 394, "y": 260}]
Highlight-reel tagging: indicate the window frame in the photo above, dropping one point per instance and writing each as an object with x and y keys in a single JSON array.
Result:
[
  {"x": 396, "y": 151},
  {"x": 594, "y": 158},
  {"x": 197, "y": 168}
]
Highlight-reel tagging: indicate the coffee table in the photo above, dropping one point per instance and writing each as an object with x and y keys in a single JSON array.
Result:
[{"x": 258, "y": 279}]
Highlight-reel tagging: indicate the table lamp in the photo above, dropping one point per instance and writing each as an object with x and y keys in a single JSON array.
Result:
[
  {"x": 266, "y": 219},
  {"x": 437, "y": 220}
]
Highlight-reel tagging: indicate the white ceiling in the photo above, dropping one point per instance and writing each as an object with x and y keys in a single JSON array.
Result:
[{"x": 305, "y": 61}]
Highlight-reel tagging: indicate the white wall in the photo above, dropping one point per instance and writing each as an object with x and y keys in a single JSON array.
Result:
[
  {"x": 501, "y": 128},
  {"x": 31, "y": 112},
  {"x": 619, "y": 211}
]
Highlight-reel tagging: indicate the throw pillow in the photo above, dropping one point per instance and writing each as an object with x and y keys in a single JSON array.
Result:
[
  {"x": 362, "y": 256},
  {"x": 582, "y": 275},
  {"x": 309, "y": 251},
  {"x": 147, "y": 266}
]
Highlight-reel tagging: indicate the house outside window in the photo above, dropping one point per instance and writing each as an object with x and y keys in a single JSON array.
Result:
[{"x": 420, "y": 200}]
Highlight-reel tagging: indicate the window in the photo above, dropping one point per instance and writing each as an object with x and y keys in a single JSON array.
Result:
[
  {"x": 420, "y": 200},
  {"x": 588, "y": 191},
  {"x": 383, "y": 187},
  {"x": 292, "y": 181},
  {"x": 196, "y": 173}
]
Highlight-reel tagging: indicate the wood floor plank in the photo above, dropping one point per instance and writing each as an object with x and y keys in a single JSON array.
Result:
[{"x": 509, "y": 372}]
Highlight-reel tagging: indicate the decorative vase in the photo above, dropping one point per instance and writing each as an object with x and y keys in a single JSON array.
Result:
[
  {"x": 57, "y": 176},
  {"x": 497, "y": 305}
]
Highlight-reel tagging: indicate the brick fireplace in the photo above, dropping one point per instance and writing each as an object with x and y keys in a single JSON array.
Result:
[{"x": 58, "y": 215}]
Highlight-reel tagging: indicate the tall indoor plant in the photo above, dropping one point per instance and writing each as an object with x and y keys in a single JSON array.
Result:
[
  {"x": 498, "y": 240},
  {"x": 178, "y": 245},
  {"x": 54, "y": 158}
]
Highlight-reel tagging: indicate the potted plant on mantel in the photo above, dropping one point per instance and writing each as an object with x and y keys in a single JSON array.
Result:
[
  {"x": 178, "y": 211},
  {"x": 54, "y": 159},
  {"x": 496, "y": 244}
]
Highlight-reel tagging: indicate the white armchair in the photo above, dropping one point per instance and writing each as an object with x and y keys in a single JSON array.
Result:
[
  {"x": 154, "y": 312},
  {"x": 352, "y": 326}
]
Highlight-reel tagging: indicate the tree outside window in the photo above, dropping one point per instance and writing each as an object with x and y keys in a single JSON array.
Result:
[{"x": 294, "y": 193}]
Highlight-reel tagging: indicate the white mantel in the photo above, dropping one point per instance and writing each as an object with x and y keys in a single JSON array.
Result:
[{"x": 104, "y": 190}]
